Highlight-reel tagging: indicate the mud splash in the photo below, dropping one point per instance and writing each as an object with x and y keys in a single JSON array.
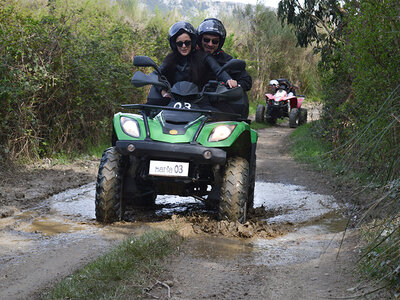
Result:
[
  {"x": 279, "y": 209},
  {"x": 202, "y": 224}
]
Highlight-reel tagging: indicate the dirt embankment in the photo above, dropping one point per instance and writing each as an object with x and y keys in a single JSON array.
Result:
[{"x": 22, "y": 187}]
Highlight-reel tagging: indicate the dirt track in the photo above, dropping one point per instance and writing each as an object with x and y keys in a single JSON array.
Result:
[{"x": 288, "y": 257}]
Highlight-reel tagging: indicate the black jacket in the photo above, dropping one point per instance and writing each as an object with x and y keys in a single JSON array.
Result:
[
  {"x": 242, "y": 77},
  {"x": 191, "y": 68},
  {"x": 197, "y": 67}
]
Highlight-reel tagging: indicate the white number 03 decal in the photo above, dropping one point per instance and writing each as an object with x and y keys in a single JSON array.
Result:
[{"x": 184, "y": 105}]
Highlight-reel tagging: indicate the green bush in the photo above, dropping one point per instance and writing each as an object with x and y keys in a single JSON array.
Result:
[
  {"x": 361, "y": 89},
  {"x": 64, "y": 71}
]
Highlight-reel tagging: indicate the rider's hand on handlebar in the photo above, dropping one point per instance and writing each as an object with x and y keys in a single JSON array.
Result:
[
  {"x": 165, "y": 94},
  {"x": 232, "y": 83}
]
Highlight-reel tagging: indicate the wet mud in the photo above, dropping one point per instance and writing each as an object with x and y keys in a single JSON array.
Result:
[
  {"x": 70, "y": 214},
  {"x": 67, "y": 221},
  {"x": 279, "y": 208}
]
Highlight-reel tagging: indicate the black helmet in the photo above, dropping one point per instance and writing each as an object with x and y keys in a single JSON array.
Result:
[
  {"x": 177, "y": 29},
  {"x": 211, "y": 26}
]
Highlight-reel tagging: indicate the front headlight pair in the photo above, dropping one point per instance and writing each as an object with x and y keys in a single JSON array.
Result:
[
  {"x": 221, "y": 132},
  {"x": 130, "y": 127}
]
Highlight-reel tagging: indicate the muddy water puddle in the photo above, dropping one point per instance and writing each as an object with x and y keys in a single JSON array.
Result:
[
  {"x": 296, "y": 247},
  {"x": 316, "y": 228},
  {"x": 292, "y": 203},
  {"x": 78, "y": 202},
  {"x": 71, "y": 216},
  {"x": 274, "y": 203}
]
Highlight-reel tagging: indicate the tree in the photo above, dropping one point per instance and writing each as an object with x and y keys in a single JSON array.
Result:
[
  {"x": 269, "y": 50},
  {"x": 318, "y": 23}
]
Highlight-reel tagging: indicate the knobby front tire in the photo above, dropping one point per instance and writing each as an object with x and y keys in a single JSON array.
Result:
[
  {"x": 109, "y": 187},
  {"x": 234, "y": 190}
]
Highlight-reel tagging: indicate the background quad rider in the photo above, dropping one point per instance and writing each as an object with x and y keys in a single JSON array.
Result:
[
  {"x": 211, "y": 36},
  {"x": 275, "y": 84},
  {"x": 186, "y": 63}
]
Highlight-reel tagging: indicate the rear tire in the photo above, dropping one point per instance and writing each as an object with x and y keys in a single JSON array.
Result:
[
  {"x": 234, "y": 190},
  {"x": 260, "y": 113},
  {"x": 302, "y": 116},
  {"x": 293, "y": 117},
  {"x": 108, "y": 202}
]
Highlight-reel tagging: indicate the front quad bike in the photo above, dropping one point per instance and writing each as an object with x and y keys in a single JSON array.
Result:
[
  {"x": 185, "y": 148},
  {"x": 280, "y": 105}
]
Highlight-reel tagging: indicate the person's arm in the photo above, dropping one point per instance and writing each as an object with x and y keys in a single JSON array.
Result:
[
  {"x": 158, "y": 96},
  {"x": 215, "y": 67},
  {"x": 165, "y": 94},
  {"x": 244, "y": 79},
  {"x": 232, "y": 83},
  {"x": 155, "y": 97}
]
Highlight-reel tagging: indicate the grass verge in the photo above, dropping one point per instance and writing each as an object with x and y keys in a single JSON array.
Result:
[
  {"x": 307, "y": 148},
  {"x": 252, "y": 111},
  {"x": 381, "y": 257},
  {"x": 122, "y": 273},
  {"x": 255, "y": 125}
]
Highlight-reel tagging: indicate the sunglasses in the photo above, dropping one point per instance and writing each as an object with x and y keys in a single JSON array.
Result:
[
  {"x": 207, "y": 40},
  {"x": 187, "y": 43}
]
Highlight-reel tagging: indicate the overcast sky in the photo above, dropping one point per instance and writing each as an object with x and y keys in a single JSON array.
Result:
[{"x": 270, "y": 3}]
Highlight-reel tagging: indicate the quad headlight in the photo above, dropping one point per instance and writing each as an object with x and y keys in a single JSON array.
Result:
[
  {"x": 221, "y": 132},
  {"x": 130, "y": 127}
]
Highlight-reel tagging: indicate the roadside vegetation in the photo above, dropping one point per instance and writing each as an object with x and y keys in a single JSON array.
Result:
[
  {"x": 122, "y": 273},
  {"x": 359, "y": 130}
]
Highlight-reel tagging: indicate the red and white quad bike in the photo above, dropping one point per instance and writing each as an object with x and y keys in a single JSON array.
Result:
[{"x": 280, "y": 105}]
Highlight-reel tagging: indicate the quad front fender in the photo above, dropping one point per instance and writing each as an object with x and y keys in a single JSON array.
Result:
[
  {"x": 270, "y": 96},
  {"x": 299, "y": 101},
  {"x": 254, "y": 136}
]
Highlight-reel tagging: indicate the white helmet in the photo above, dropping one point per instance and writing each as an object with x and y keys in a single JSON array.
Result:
[{"x": 274, "y": 82}]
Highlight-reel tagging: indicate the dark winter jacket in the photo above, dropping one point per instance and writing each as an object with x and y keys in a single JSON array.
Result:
[
  {"x": 197, "y": 67},
  {"x": 242, "y": 77},
  {"x": 191, "y": 68}
]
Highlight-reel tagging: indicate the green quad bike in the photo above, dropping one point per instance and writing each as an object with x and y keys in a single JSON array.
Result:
[{"x": 183, "y": 149}]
